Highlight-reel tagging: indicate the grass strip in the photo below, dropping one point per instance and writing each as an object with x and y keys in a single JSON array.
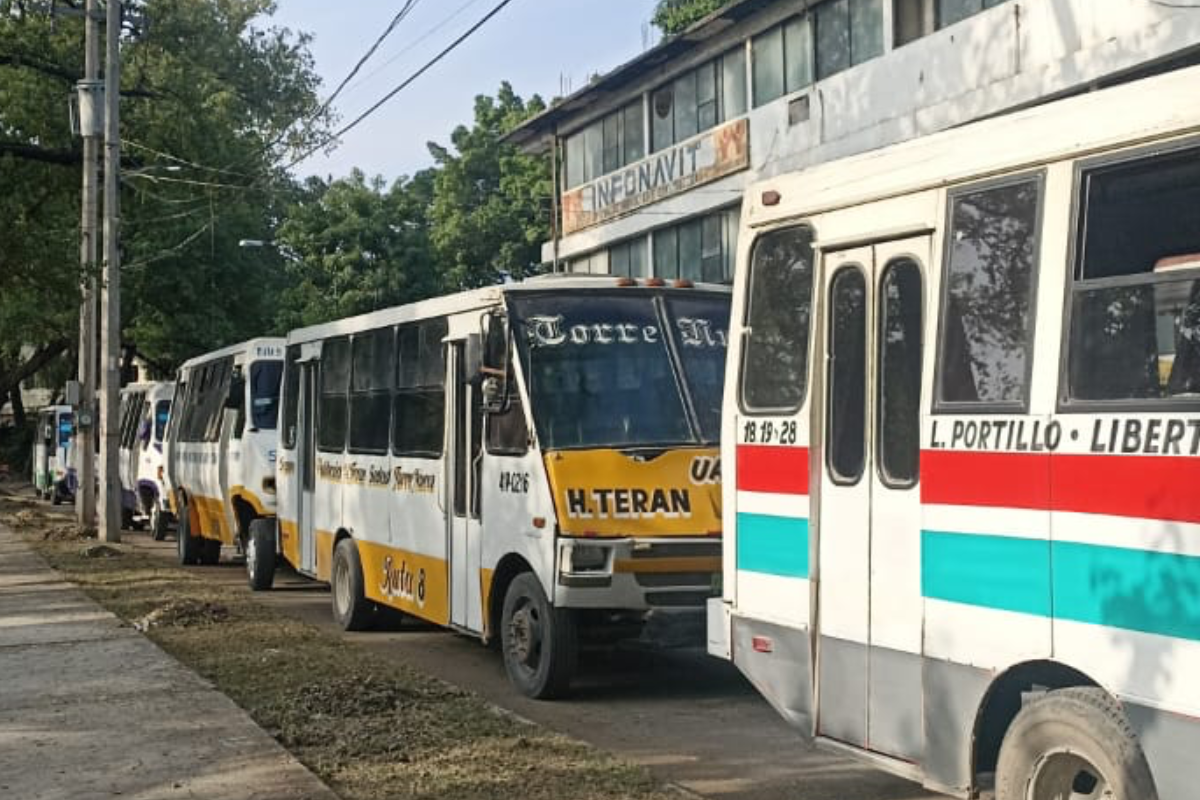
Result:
[{"x": 369, "y": 728}]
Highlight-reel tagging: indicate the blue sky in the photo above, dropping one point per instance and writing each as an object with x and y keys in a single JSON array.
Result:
[{"x": 536, "y": 45}]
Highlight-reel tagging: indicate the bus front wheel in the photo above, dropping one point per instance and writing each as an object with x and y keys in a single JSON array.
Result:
[
  {"x": 158, "y": 522},
  {"x": 540, "y": 642},
  {"x": 351, "y": 608},
  {"x": 260, "y": 554},
  {"x": 1072, "y": 743}
]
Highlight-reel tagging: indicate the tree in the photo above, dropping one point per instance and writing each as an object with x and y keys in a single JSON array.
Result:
[
  {"x": 214, "y": 100},
  {"x": 353, "y": 245},
  {"x": 674, "y": 16},
  {"x": 491, "y": 203}
]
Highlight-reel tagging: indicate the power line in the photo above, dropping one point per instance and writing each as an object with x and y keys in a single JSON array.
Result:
[
  {"x": 402, "y": 85},
  {"x": 328, "y": 101},
  {"x": 408, "y": 48}
]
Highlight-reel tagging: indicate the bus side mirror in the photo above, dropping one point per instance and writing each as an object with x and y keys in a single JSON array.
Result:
[
  {"x": 494, "y": 389},
  {"x": 237, "y": 394}
]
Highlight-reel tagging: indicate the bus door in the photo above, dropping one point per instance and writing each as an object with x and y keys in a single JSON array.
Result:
[
  {"x": 306, "y": 466},
  {"x": 464, "y": 546},
  {"x": 869, "y": 617}
]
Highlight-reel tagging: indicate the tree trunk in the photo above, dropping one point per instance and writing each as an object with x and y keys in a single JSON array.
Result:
[
  {"x": 18, "y": 407},
  {"x": 10, "y": 380}
]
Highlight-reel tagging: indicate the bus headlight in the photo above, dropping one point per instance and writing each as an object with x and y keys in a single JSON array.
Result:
[{"x": 588, "y": 557}]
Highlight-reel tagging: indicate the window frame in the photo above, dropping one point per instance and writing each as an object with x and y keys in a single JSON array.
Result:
[
  {"x": 743, "y": 340},
  {"x": 1064, "y": 404},
  {"x": 893, "y": 263},
  {"x": 849, "y": 268},
  {"x": 940, "y": 406}
]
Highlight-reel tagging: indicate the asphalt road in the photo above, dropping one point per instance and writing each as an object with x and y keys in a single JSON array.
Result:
[{"x": 689, "y": 718}]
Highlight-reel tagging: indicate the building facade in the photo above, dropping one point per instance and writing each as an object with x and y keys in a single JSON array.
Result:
[{"x": 652, "y": 158}]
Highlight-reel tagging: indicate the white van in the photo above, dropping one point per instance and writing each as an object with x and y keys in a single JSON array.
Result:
[
  {"x": 145, "y": 410},
  {"x": 220, "y": 446},
  {"x": 53, "y": 474}
]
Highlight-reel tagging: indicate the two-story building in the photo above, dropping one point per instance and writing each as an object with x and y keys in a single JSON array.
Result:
[{"x": 653, "y": 157}]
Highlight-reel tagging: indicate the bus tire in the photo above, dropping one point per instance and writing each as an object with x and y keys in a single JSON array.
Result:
[
  {"x": 260, "y": 554},
  {"x": 158, "y": 523},
  {"x": 540, "y": 642},
  {"x": 351, "y": 609},
  {"x": 1072, "y": 742},
  {"x": 210, "y": 552},
  {"x": 188, "y": 546}
]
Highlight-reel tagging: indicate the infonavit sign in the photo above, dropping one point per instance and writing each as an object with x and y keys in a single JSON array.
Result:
[{"x": 701, "y": 159}]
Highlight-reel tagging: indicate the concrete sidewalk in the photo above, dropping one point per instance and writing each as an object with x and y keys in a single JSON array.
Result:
[{"x": 90, "y": 708}]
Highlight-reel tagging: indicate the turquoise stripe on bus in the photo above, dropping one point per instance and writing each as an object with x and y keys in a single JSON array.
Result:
[
  {"x": 999, "y": 572},
  {"x": 1116, "y": 587},
  {"x": 772, "y": 545},
  {"x": 1138, "y": 590}
]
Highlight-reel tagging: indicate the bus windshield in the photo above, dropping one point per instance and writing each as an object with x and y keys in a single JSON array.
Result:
[
  {"x": 264, "y": 394},
  {"x": 602, "y": 372}
]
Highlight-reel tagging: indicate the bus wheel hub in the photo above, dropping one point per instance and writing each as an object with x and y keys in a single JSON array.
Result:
[{"x": 525, "y": 636}]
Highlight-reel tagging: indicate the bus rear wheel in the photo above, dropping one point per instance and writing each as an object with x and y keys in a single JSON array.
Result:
[
  {"x": 188, "y": 546},
  {"x": 351, "y": 608},
  {"x": 540, "y": 642},
  {"x": 260, "y": 554},
  {"x": 1072, "y": 744}
]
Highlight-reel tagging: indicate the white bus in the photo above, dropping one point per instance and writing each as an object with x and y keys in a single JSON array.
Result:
[
  {"x": 53, "y": 475},
  {"x": 570, "y": 489},
  {"x": 220, "y": 448},
  {"x": 962, "y": 430},
  {"x": 144, "y": 412}
]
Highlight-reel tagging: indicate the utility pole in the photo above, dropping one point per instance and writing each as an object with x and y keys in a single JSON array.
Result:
[
  {"x": 110, "y": 293},
  {"x": 85, "y": 440}
]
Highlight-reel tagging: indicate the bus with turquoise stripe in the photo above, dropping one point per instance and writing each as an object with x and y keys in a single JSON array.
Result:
[{"x": 961, "y": 445}]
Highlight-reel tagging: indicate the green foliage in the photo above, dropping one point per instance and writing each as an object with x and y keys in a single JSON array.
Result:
[
  {"x": 354, "y": 245},
  {"x": 675, "y": 16},
  {"x": 213, "y": 99},
  {"x": 491, "y": 204}
]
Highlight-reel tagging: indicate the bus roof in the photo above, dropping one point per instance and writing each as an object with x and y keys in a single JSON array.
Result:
[
  {"x": 237, "y": 349},
  {"x": 1139, "y": 111},
  {"x": 475, "y": 299}
]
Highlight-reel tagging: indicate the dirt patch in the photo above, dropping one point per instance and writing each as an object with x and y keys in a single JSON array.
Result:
[
  {"x": 370, "y": 728},
  {"x": 185, "y": 613}
]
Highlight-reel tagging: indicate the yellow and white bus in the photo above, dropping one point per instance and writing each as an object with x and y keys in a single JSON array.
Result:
[
  {"x": 962, "y": 525},
  {"x": 220, "y": 447},
  {"x": 530, "y": 462}
]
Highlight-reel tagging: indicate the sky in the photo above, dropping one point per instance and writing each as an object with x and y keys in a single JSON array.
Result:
[{"x": 539, "y": 46}]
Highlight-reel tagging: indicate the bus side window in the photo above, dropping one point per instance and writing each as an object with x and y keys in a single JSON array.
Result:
[
  {"x": 1135, "y": 296},
  {"x": 291, "y": 396},
  {"x": 778, "y": 309},
  {"x": 419, "y": 406},
  {"x": 331, "y": 404},
  {"x": 372, "y": 378},
  {"x": 507, "y": 433},
  {"x": 988, "y": 287}
]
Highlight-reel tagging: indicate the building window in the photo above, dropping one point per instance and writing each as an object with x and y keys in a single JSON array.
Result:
[
  {"x": 700, "y": 249},
  {"x": 782, "y": 60},
  {"x": 628, "y": 258},
  {"x": 1135, "y": 297},
  {"x": 698, "y": 100},
  {"x": 987, "y": 311},
  {"x": 912, "y": 19},
  {"x": 606, "y": 145},
  {"x": 595, "y": 263},
  {"x": 848, "y": 32},
  {"x": 952, "y": 11}
]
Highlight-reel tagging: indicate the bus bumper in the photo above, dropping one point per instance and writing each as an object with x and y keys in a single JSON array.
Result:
[{"x": 637, "y": 574}]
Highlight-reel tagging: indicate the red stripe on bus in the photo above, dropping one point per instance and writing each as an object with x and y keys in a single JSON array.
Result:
[
  {"x": 1008, "y": 480},
  {"x": 1153, "y": 487},
  {"x": 1148, "y": 487},
  {"x": 769, "y": 468}
]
